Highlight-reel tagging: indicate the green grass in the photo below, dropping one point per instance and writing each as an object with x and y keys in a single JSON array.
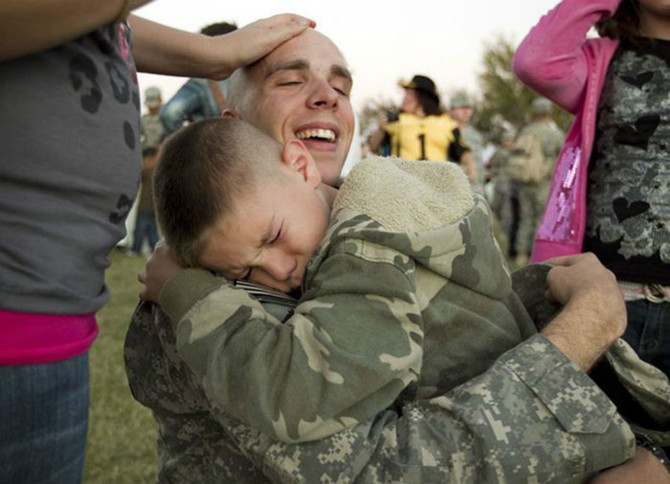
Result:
[{"x": 122, "y": 434}]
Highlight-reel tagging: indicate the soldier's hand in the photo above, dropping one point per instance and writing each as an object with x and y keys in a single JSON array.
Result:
[
  {"x": 643, "y": 467},
  {"x": 594, "y": 313},
  {"x": 161, "y": 266}
]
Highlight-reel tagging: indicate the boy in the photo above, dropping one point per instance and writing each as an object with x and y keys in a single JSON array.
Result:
[{"x": 397, "y": 259}]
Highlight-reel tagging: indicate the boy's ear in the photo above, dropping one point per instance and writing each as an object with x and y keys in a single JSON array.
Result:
[
  {"x": 230, "y": 113},
  {"x": 297, "y": 157}
]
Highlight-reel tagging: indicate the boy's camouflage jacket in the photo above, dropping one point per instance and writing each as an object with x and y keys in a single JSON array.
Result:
[
  {"x": 394, "y": 301},
  {"x": 531, "y": 415}
]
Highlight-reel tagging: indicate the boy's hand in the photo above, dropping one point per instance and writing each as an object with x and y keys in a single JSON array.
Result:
[
  {"x": 250, "y": 43},
  {"x": 160, "y": 268}
]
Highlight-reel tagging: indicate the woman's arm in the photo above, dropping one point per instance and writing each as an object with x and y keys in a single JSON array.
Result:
[
  {"x": 30, "y": 26},
  {"x": 163, "y": 50},
  {"x": 551, "y": 59}
]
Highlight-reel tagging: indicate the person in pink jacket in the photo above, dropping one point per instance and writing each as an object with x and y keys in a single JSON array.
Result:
[{"x": 610, "y": 192}]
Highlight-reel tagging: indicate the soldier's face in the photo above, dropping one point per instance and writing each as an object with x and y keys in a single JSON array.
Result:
[
  {"x": 461, "y": 114},
  {"x": 301, "y": 91},
  {"x": 272, "y": 233}
]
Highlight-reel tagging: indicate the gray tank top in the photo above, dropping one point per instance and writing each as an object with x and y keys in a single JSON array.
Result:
[{"x": 69, "y": 170}]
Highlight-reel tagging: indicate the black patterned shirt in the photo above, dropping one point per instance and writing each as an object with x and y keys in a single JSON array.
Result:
[{"x": 628, "y": 214}]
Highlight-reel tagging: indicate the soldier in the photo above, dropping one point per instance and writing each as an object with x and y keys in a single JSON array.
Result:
[
  {"x": 461, "y": 111},
  {"x": 501, "y": 203},
  {"x": 483, "y": 427},
  {"x": 532, "y": 195},
  {"x": 152, "y": 131}
]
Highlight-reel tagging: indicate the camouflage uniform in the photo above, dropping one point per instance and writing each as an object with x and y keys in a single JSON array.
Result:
[
  {"x": 475, "y": 141},
  {"x": 532, "y": 416},
  {"x": 152, "y": 131},
  {"x": 404, "y": 273},
  {"x": 533, "y": 196},
  {"x": 501, "y": 204}
]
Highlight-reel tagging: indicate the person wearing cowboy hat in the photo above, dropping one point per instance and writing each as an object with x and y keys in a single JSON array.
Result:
[{"x": 423, "y": 131}]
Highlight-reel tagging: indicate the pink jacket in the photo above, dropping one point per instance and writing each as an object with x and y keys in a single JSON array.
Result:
[{"x": 557, "y": 61}]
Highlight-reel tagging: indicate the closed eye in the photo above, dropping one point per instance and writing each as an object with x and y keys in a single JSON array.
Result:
[{"x": 276, "y": 237}]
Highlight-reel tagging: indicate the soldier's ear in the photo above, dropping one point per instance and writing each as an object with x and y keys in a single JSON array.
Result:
[{"x": 297, "y": 157}]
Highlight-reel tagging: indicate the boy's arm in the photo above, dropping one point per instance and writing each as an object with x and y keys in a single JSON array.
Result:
[
  {"x": 551, "y": 58},
  {"x": 351, "y": 346}
]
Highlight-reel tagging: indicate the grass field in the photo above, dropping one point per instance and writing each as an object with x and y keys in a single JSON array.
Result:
[{"x": 122, "y": 434}]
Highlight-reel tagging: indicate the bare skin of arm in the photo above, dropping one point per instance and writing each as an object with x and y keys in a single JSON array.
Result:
[
  {"x": 30, "y": 26},
  {"x": 376, "y": 138},
  {"x": 643, "y": 467},
  {"x": 594, "y": 314},
  {"x": 163, "y": 50},
  {"x": 468, "y": 165}
]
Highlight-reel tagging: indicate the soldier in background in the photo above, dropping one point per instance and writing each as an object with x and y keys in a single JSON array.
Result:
[
  {"x": 461, "y": 111},
  {"x": 532, "y": 196},
  {"x": 501, "y": 203},
  {"x": 152, "y": 131},
  {"x": 198, "y": 98},
  {"x": 141, "y": 223}
]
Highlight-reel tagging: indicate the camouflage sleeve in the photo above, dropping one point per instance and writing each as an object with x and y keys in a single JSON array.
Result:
[
  {"x": 532, "y": 417},
  {"x": 324, "y": 369}
]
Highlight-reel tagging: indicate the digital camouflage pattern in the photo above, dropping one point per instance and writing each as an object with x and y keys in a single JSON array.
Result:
[
  {"x": 640, "y": 391},
  {"x": 475, "y": 142},
  {"x": 533, "y": 196},
  {"x": 531, "y": 416}
]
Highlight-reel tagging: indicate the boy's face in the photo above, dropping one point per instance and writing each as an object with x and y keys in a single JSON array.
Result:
[{"x": 273, "y": 232}]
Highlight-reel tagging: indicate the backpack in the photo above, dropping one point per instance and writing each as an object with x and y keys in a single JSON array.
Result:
[{"x": 526, "y": 163}]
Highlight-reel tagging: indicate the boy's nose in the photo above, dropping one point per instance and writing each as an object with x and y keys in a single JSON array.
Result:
[{"x": 280, "y": 266}]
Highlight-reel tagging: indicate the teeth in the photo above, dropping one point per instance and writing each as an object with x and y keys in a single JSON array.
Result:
[{"x": 316, "y": 133}]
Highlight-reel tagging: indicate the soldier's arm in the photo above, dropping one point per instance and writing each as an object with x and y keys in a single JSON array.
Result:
[
  {"x": 349, "y": 349},
  {"x": 594, "y": 315},
  {"x": 534, "y": 416}
]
